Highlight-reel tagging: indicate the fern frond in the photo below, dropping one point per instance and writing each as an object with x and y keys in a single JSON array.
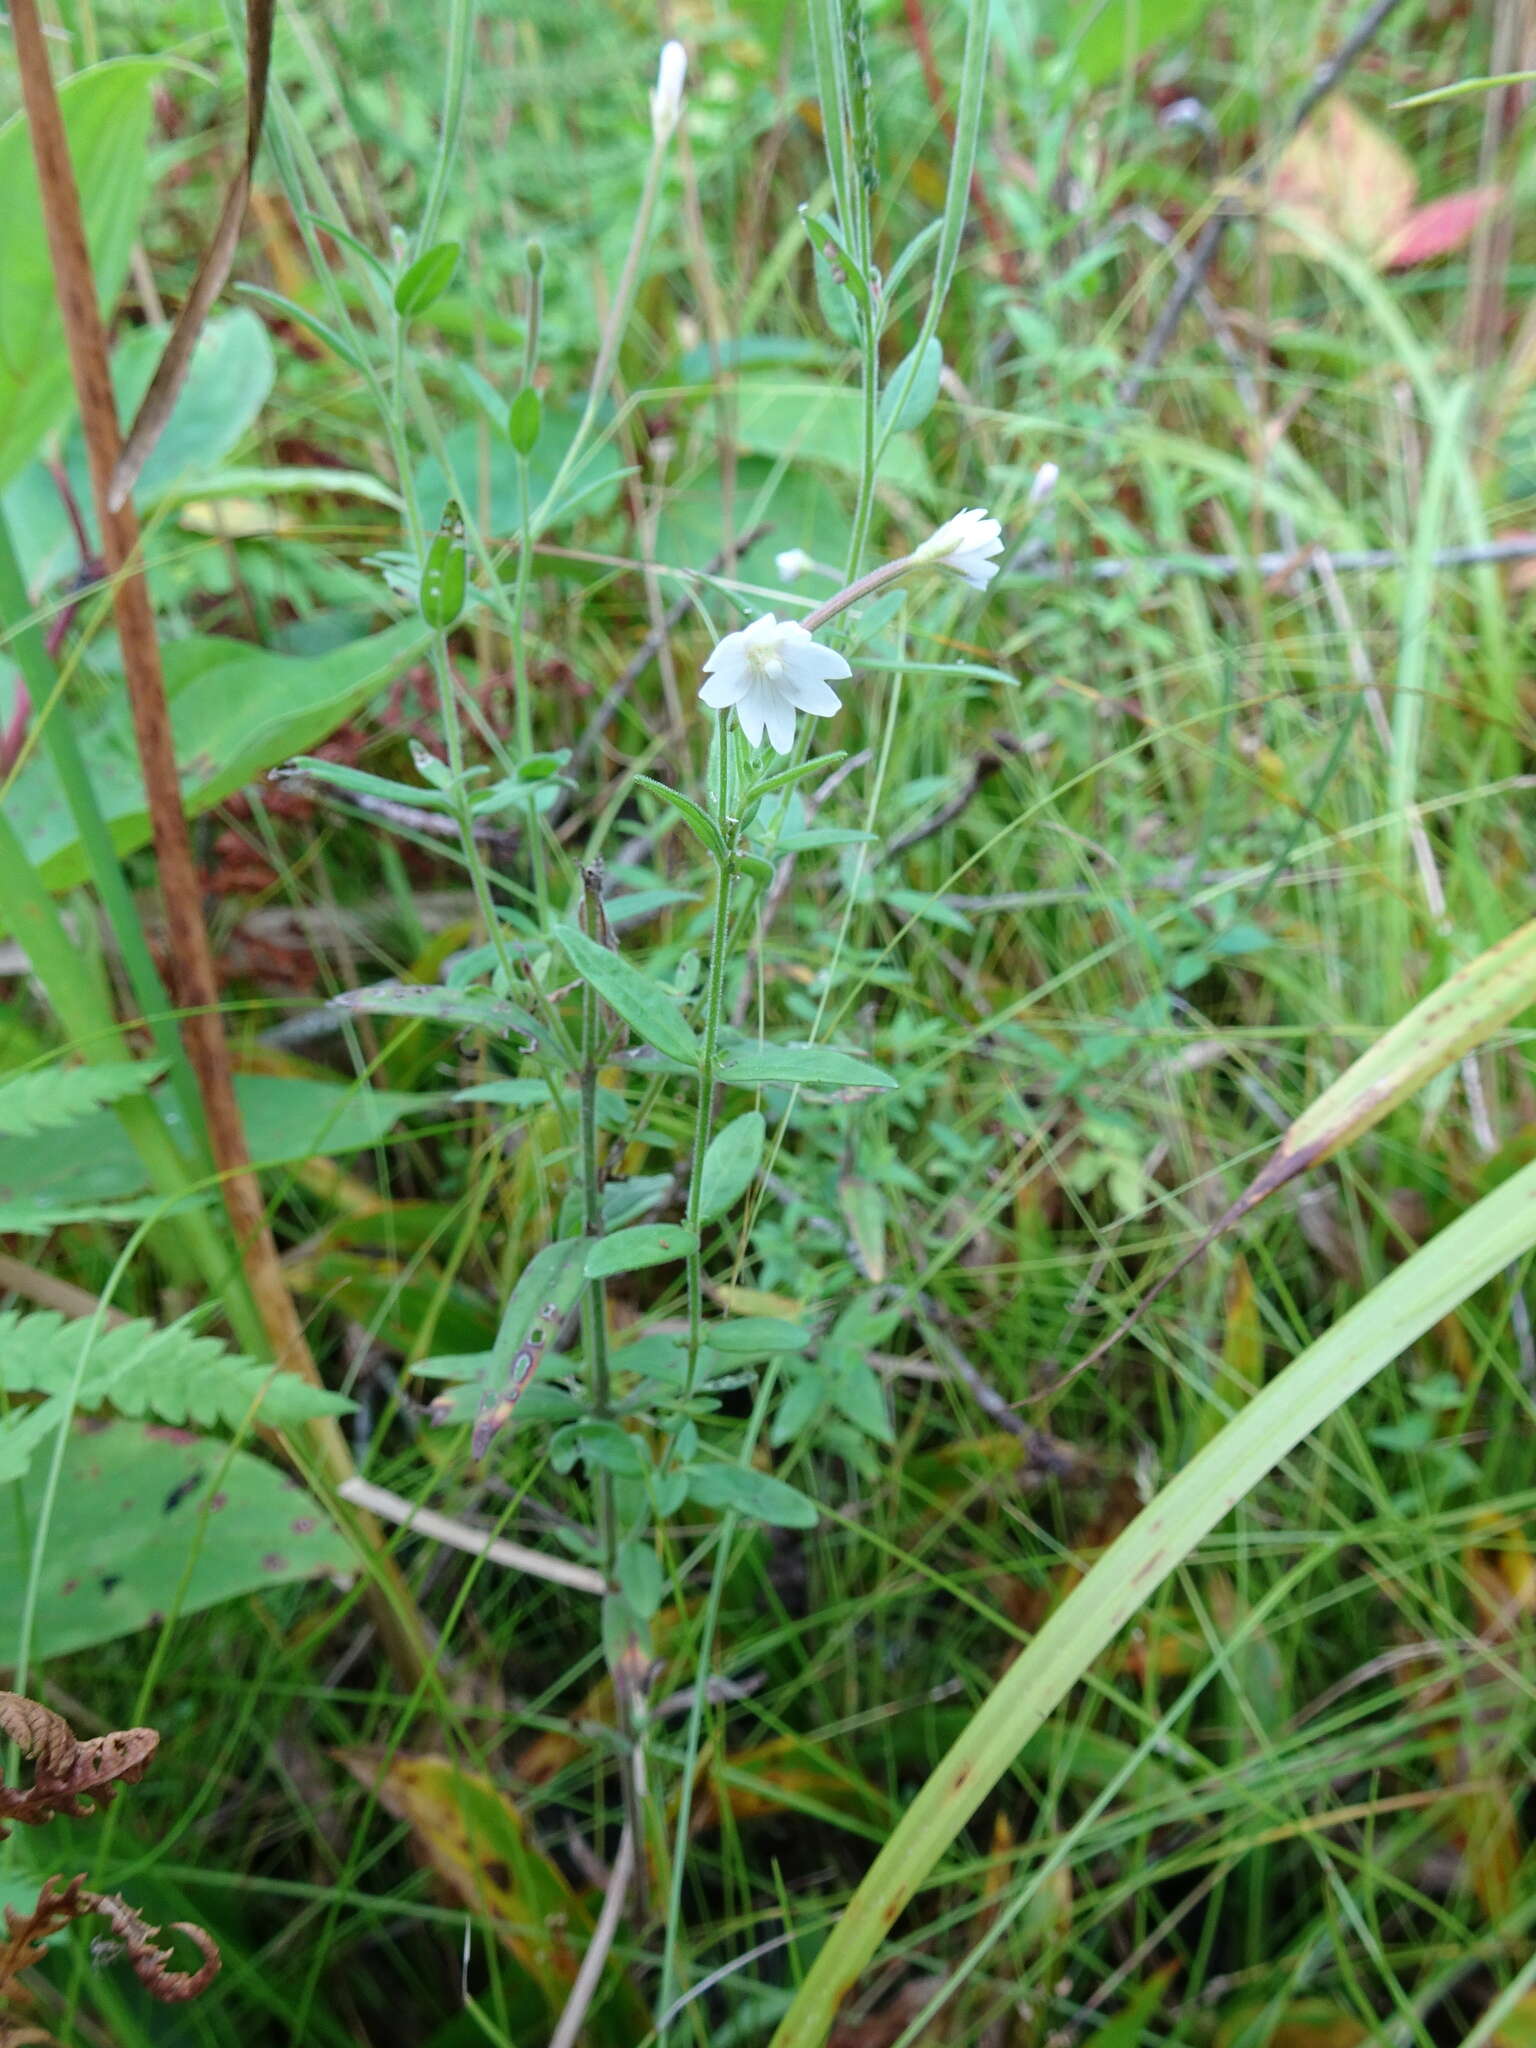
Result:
[
  {"x": 138, "y": 1368},
  {"x": 46, "y": 1098}
]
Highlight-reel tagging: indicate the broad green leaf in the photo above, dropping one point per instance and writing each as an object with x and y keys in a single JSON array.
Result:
[
  {"x": 106, "y": 112},
  {"x": 813, "y": 1066},
  {"x": 603, "y": 1444},
  {"x": 426, "y": 279},
  {"x": 191, "y": 1523},
  {"x": 856, "y": 1392},
  {"x": 645, "y": 1008},
  {"x": 819, "y": 424},
  {"x": 235, "y": 711},
  {"x": 913, "y": 388},
  {"x": 746, "y": 1491},
  {"x": 731, "y": 1163},
  {"x": 44, "y": 1098},
  {"x": 592, "y": 487},
  {"x": 228, "y": 381},
  {"x": 286, "y": 1118},
  {"x": 646, "y": 1244},
  {"x": 1435, "y": 1280},
  {"x": 1118, "y": 33}
]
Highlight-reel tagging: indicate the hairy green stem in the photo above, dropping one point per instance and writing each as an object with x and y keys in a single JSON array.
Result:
[
  {"x": 714, "y": 1005},
  {"x": 595, "y": 1294}
]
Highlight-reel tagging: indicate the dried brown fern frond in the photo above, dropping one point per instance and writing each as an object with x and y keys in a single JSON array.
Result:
[
  {"x": 135, "y": 1940},
  {"x": 69, "y": 1776},
  {"x": 26, "y": 1933},
  {"x": 59, "y": 1903}
]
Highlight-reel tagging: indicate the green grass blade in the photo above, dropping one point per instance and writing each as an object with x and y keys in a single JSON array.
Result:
[{"x": 1327, "y": 1374}]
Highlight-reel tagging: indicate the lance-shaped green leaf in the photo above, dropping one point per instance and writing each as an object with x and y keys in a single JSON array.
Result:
[
  {"x": 810, "y": 1066},
  {"x": 730, "y": 1165},
  {"x": 743, "y": 1490},
  {"x": 645, "y": 1008},
  {"x": 702, "y": 825},
  {"x": 913, "y": 389},
  {"x": 646, "y": 1244},
  {"x": 426, "y": 280},
  {"x": 464, "y": 1008}
]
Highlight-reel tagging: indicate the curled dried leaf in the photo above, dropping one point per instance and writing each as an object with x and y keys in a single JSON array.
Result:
[
  {"x": 69, "y": 1776},
  {"x": 26, "y": 1933},
  {"x": 136, "y": 1940},
  {"x": 59, "y": 1903}
]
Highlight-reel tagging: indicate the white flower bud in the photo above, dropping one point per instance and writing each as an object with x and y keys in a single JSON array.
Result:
[
  {"x": 667, "y": 98},
  {"x": 1046, "y": 479},
  {"x": 792, "y": 564}
]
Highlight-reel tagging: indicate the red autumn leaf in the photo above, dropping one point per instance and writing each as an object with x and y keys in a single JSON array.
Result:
[{"x": 1436, "y": 229}]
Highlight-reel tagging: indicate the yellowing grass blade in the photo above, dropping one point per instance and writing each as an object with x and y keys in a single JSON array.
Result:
[
  {"x": 1410, "y": 1301},
  {"x": 1464, "y": 1012}
]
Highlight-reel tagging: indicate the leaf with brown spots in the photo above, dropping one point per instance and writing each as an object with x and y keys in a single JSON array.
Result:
[{"x": 473, "y": 1834}]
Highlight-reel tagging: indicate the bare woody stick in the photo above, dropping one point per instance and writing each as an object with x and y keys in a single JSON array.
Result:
[
  {"x": 1203, "y": 251},
  {"x": 196, "y": 986}
]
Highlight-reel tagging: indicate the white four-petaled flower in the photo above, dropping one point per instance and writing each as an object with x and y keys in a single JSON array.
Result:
[
  {"x": 966, "y": 544},
  {"x": 769, "y": 671},
  {"x": 667, "y": 98}
]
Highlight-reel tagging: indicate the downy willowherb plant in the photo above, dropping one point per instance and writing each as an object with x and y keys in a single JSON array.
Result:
[{"x": 679, "y": 1415}]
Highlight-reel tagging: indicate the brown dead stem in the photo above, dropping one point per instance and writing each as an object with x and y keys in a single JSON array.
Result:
[{"x": 195, "y": 982}]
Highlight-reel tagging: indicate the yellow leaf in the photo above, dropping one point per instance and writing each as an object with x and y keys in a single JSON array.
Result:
[
  {"x": 750, "y": 1301},
  {"x": 473, "y": 1835}
]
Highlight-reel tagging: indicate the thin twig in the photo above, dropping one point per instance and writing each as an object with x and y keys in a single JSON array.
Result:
[
  {"x": 590, "y": 1975},
  {"x": 1208, "y": 241},
  {"x": 1002, "y": 747},
  {"x": 421, "y": 1521},
  {"x": 1512, "y": 547},
  {"x": 48, "y": 1291}
]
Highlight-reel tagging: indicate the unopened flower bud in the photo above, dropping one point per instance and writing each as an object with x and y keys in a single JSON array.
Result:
[
  {"x": 792, "y": 564},
  {"x": 1046, "y": 477},
  {"x": 667, "y": 98},
  {"x": 533, "y": 256}
]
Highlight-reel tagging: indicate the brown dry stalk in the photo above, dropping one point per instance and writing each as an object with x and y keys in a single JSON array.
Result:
[{"x": 195, "y": 985}]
